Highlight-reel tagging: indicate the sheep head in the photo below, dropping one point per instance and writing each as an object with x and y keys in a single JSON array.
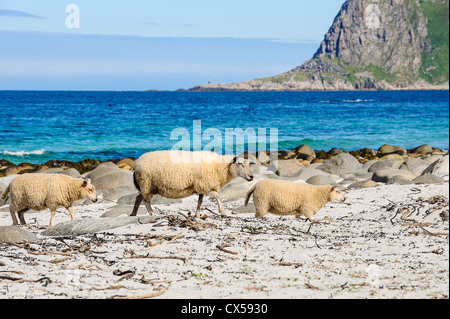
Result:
[
  {"x": 88, "y": 191},
  {"x": 241, "y": 167},
  {"x": 336, "y": 195}
]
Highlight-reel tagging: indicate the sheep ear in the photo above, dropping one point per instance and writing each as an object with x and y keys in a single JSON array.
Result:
[
  {"x": 86, "y": 182},
  {"x": 235, "y": 159},
  {"x": 332, "y": 189}
]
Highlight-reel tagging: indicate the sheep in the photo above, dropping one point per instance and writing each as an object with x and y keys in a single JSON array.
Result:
[
  {"x": 40, "y": 191},
  {"x": 288, "y": 198},
  {"x": 180, "y": 174}
]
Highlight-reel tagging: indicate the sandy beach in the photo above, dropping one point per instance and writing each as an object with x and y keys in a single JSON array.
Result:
[{"x": 386, "y": 241}]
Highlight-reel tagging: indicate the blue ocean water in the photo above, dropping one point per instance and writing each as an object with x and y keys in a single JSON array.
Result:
[{"x": 36, "y": 126}]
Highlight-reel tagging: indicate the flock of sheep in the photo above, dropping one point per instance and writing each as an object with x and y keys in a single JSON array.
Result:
[{"x": 173, "y": 174}]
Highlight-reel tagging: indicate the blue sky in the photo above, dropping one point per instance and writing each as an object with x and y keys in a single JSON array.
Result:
[{"x": 138, "y": 45}]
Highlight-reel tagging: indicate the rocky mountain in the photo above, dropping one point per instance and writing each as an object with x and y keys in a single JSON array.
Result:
[{"x": 371, "y": 45}]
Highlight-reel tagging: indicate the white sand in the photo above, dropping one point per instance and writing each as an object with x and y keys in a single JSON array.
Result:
[{"x": 355, "y": 252}]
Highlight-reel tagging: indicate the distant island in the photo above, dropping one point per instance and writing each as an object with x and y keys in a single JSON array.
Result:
[{"x": 371, "y": 45}]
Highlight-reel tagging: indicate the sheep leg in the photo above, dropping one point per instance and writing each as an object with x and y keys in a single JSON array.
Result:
[
  {"x": 148, "y": 205},
  {"x": 70, "y": 209},
  {"x": 217, "y": 196},
  {"x": 21, "y": 216},
  {"x": 309, "y": 214},
  {"x": 52, "y": 218},
  {"x": 199, "y": 204},
  {"x": 13, "y": 216},
  {"x": 137, "y": 203}
]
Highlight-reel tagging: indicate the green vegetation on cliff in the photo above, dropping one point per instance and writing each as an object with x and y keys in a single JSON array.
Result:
[{"x": 435, "y": 60}]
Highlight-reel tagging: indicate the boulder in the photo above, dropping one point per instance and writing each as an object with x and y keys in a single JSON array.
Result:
[
  {"x": 238, "y": 188},
  {"x": 263, "y": 158},
  {"x": 72, "y": 172},
  {"x": 249, "y": 209},
  {"x": 390, "y": 149},
  {"x": 383, "y": 165},
  {"x": 334, "y": 151},
  {"x": 342, "y": 164},
  {"x": 15, "y": 234},
  {"x": 363, "y": 184},
  {"x": 286, "y": 167},
  {"x": 304, "y": 152},
  {"x": 428, "y": 179},
  {"x": 114, "y": 194},
  {"x": 422, "y": 149},
  {"x": 128, "y": 161},
  {"x": 156, "y": 200},
  {"x": 307, "y": 172},
  {"x": 399, "y": 180},
  {"x": 415, "y": 165},
  {"x": 440, "y": 167},
  {"x": 109, "y": 176},
  {"x": 393, "y": 156},
  {"x": 320, "y": 180},
  {"x": 94, "y": 225},
  {"x": 383, "y": 176},
  {"x": 122, "y": 209}
]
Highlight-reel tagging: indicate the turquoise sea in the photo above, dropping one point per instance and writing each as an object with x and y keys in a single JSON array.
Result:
[{"x": 36, "y": 126}]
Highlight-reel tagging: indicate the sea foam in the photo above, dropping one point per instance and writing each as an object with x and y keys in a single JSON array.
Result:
[{"x": 23, "y": 153}]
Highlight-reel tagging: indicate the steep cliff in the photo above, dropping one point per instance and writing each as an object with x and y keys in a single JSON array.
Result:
[{"x": 372, "y": 44}]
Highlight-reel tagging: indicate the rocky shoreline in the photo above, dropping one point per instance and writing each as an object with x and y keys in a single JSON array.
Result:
[{"x": 389, "y": 239}]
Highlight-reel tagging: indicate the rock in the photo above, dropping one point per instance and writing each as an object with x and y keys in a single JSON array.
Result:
[
  {"x": 399, "y": 180},
  {"x": 238, "y": 188},
  {"x": 94, "y": 225},
  {"x": 334, "y": 151},
  {"x": 15, "y": 234},
  {"x": 392, "y": 156},
  {"x": 263, "y": 158},
  {"x": 114, "y": 194},
  {"x": 304, "y": 152},
  {"x": 156, "y": 200},
  {"x": 109, "y": 176},
  {"x": 382, "y": 165},
  {"x": 440, "y": 167},
  {"x": 390, "y": 149},
  {"x": 341, "y": 165},
  {"x": 122, "y": 209},
  {"x": 102, "y": 170},
  {"x": 422, "y": 149},
  {"x": 428, "y": 179},
  {"x": 306, "y": 173},
  {"x": 286, "y": 167},
  {"x": 363, "y": 184},
  {"x": 72, "y": 172},
  {"x": 249, "y": 209},
  {"x": 320, "y": 180},
  {"x": 367, "y": 165},
  {"x": 259, "y": 169},
  {"x": 128, "y": 161},
  {"x": 415, "y": 165},
  {"x": 384, "y": 175},
  {"x": 250, "y": 156}
]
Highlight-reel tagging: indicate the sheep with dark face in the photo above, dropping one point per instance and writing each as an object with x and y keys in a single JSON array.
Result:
[
  {"x": 179, "y": 174},
  {"x": 288, "y": 198},
  {"x": 41, "y": 191}
]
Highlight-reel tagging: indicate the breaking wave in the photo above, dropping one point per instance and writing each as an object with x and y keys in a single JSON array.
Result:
[{"x": 23, "y": 153}]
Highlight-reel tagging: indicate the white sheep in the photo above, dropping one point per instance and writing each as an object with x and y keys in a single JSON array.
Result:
[
  {"x": 179, "y": 174},
  {"x": 40, "y": 191},
  {"x": 288, "y": 198}
]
